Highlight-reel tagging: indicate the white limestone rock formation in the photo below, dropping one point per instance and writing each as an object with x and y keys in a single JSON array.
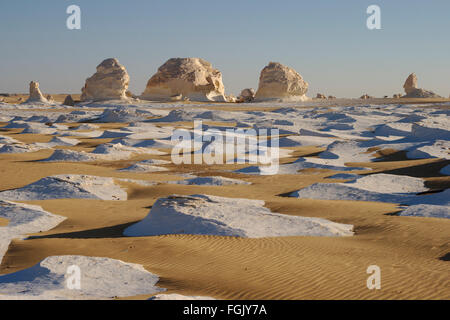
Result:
[
  {"x": 412, "y": 91},
  {"x": 35, "y": 93},
  {"x": 212, "y": 215},
  {"x": 279, "y": 82},
  {"x": 247, "y": 95},
  {"x": 410, "y": 83},
  {"x": 192, "y": 78},
  {"x": 110, "y": 82}
]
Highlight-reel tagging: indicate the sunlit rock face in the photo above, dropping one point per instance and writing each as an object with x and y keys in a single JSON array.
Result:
[
  {"x": 110, "y": 82},
  {"x": 278, "y": 81},
  {"x": 187, "y": 79},
  {"x": 35, "y": 93},
  {"x": 410, "y": 83}
]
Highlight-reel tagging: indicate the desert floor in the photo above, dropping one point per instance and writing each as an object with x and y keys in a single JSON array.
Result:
[{"x": 412, "y": 252}]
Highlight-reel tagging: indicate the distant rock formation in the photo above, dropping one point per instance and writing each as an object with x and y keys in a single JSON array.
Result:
[
  {"x": 193, "y": 78},
  {"x": 110, "y": 82},
  {"x": 410, "y": 83},
  {"x": 49, "y": 97},
  {"x": 365, "y": 97},
  {"x": 321, "y": 96},
  {"x": 279, "y": 82},
  {"x": 247, "y": 95},
  {"x": 35, "y": 93},
  {"x": 412, "y": 91},
  {"x": 68, "y": 101},
  {"x": 397, "y": 96},
  {"x": 331, "y": 97}
]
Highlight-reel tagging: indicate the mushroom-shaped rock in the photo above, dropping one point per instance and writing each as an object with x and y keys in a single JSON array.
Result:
[
  {"x": 279, "y": 82},
  {"x": 110, "y": 82},
  {"x": 35, "y": 93},
  {"x": 193, "y": 78}
]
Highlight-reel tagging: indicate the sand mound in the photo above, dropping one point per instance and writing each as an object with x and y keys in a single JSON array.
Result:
[
  {"x": 383, "y": 188},
  {"x": 212, "y": 215},
  {"x": 143, "y": 167},
  {"x": 23, "y": 219},
  {"x": 117, "y": 151},
  {"x": 101, "y": 278},
  {"x": 389, "y": 183},
  {"x": 18, "y": 148},
  {"x": 58, "y": 141},
  {"x": 427, "y": 210},
  {"x": 376, "y": 187},
  {"x": 61, "y": 155},
  {"x": 67, "y": 187},
  {"x": 123, "y": 115},
  {"x": 175, "y": 116}
]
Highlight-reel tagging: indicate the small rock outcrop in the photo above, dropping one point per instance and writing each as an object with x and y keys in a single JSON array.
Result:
[
  {"x": 365, "y": 97},
  {"x": 110, "y": 82},
  {"x": 412, "y": 91},
  {"x": 247, "y": 95},
  {"x": 68, "y": 101},
  {"x": 193, "y": 78},
  {"x": 231, "y": 98},
  {"x": 35, "y": 93},
  {"x": 331, "y": 97},
  {"x": 280, "y": 82},
  {"x": 321, "y": 96}
]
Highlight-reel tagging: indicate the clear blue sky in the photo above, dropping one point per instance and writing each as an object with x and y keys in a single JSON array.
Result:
[{"x": 327, "y": 42}]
